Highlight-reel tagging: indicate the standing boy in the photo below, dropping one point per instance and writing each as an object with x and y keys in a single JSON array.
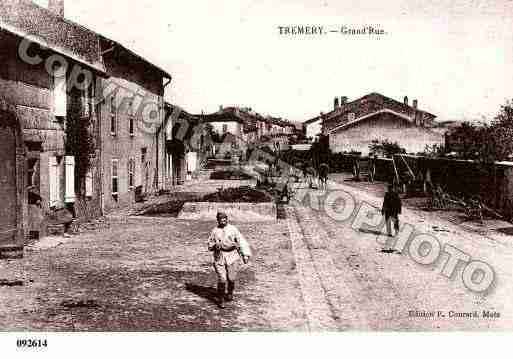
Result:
[
  {"x": 391, "y": 209},
  {"x": 229, "y": 247}
]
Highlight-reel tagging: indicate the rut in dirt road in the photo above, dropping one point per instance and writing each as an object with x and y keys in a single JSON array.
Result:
[{"x": 328, "y": 299}]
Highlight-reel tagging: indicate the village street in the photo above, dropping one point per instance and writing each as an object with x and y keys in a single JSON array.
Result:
[{"x": 309, "y": 272}]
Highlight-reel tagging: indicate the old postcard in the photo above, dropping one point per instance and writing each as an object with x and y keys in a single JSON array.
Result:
[{"x": 294, "y": 166}]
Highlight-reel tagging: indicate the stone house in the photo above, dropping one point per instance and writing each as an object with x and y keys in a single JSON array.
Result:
[
  {"x": 131, "y": 136},
  {"x": 232, "y": 125},
  {"x": 352, "y": 126},
  {"x": 56, "y": 74},
  {"x": 49, "y": 68}
]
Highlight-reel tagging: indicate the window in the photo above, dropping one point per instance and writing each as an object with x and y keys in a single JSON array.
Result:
[
  {"x": 351, "y": 116},
  {"x": 131, "y": 173},
  {"x": 143, "y": 155},
  {"x": 89, "y": 184},
  {"x": 225, "y": 128},
  {"x": 59, "y": 95},
  {"x": 113, "y": 120},
  {"x": 131, "y": 119},
  {"x": 32, "y": 172},
  {"x": 115, "y": 179}
]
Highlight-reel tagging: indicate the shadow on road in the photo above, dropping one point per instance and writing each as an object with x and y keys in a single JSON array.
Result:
[
  {"x": 370, "y": 231},
  {"x": 208, "y": 293}
]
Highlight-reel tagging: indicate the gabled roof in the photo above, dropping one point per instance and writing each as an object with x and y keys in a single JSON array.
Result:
[
  {"x": 369, "y": 105},
  {"x": 222, "y": 117},
  {"x": 183, "y": 115},
  {"x": 245, "y": 116},
  {"x": 28, "y": 20},
  {"x": 363, "y": 107},
  {"x": 139, "y": 57},
  {"x": 233, "y": 114},
  {"x": 369, "y": 115},
  {"x": 312, "y": 120},
  {"x": 359, "y": 119},
  {"x": 375, "y": 97}
]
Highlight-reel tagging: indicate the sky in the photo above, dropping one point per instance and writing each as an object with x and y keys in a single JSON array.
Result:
[{"x": 454, "y": 56}]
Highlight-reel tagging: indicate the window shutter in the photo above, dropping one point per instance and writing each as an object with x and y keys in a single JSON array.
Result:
[
  {"x": 191, "y": 161},
  {"x": 53, "y": 181},
  {"x": 89, "y": 184},
  {"x": 69, "y": 176},
  {"x": 129, "y": 171},
  {"x": 60, "y": 96}
]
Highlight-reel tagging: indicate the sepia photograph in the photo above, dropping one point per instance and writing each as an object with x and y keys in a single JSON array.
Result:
[{"x": 302, "y": 166}]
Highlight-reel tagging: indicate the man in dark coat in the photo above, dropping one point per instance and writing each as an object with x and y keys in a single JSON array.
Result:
[
  {"x": 391, "y": 210},
  {"x": 324, "y": 172}
]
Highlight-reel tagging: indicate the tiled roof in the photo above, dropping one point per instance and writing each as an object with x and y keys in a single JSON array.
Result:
[
  {"x": 26, "y": 19},
  {"x": 367, "y": 105},
  {"x": 139, "y": 57},
  {"x": 245, "y": 116}
]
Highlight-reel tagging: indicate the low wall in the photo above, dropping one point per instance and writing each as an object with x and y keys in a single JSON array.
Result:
[
  {"x": 493, "y": 183},
  {"x": 239, "y": 212}
]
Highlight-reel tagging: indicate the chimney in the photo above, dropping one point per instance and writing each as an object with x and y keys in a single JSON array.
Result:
[
  {"x": 406, "y": 100},
  {"x": 335, "y": 103},
  {"x": 415, "y": 104},
  {"x": 343, "y": 100},
  {"x": 220, "y": 108},
  {"x": 57, "y": 7}
]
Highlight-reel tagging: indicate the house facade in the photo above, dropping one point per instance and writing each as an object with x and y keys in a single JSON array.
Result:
[
  {"x": 49, "y": 69},
  {"x": 352, "y": 126},
  {"x": 186, "y": 145},
  {"x": 63, "y": 87},
  {"x": 313, "y": 127},
  {"x": 131, "y": 137},
  {"x": 229, "y": 125}
]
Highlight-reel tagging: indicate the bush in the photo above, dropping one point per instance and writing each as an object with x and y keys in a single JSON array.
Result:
[
  {"x": 239, "y": 194},
  {"x": 230, "y": 174}
]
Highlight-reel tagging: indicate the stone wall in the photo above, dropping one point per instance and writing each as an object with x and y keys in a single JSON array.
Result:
[{"x": 239, "y": 212}]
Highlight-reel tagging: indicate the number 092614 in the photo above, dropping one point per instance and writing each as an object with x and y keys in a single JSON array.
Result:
[{"x": 31, "y": 343}]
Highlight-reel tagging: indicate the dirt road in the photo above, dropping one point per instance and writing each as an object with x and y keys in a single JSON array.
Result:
[{"x": 309, "y": 272}]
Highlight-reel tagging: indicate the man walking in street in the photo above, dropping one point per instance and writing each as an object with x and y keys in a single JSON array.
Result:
[
  {"x": 391, "y": 209},
  {"x": 228, "y": 247},
  {"x": 324, "y": 172}
]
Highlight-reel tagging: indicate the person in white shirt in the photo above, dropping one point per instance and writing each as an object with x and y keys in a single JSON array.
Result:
[{"x": 228, "y": 247}]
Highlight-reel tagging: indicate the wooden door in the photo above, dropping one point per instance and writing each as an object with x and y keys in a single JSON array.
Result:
[{"x": 8, "y": 188}]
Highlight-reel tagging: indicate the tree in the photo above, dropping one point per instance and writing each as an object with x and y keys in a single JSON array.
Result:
[
  {"x": 499, "y": 136},
  {"x": 80, "y": 144},
  {"x": 385, "y": 148},
  {"x": 212, "y": 134},
  {"x": 435, "y": 150},
  {"x": 465, "y": 140}
]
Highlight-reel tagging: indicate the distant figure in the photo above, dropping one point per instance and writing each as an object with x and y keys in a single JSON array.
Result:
[
  {"x": 391, "y": 210},
  {"x": 304, "y": 169},
  {"x": 312, "y": 178},
  {"x": 324, "y": 171},
  {"x": 228, "y": 246}
]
